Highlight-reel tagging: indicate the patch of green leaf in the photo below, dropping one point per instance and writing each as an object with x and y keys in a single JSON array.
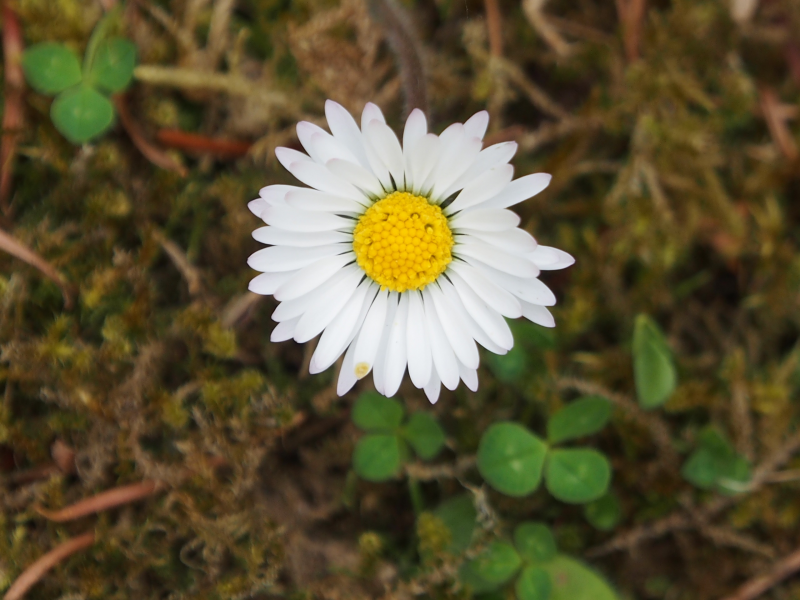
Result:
[
  {"x": 510, "y": 459},
  {"x": 714, "y": 464},
  {"x": 604, "y": 513},
  {"x": 580, "y": 418},
  {"x": 113, "y": 64},
  {"x": 81, "y": 114},
  {"x": 379, "y": 456},
  {"x": 424, "y": 434},
  {"x": 653, "y": 366},
  {"x": 51, "y": 68},
  {"x": 578, "y": 475},
  {"x": 459, "y": 515},
  {"x": 374, "y": 412},
  {"x": 534, "y": 583},
  {"x": 534, "y": 541}
]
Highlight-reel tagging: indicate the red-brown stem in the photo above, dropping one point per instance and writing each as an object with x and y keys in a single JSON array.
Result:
[
  {"x": 12, "y": 113},
  {"x": 34, "y": 572},
  {"x": 193, "y": 142},
  {"x": 14, "y": 247},
  {"x": 770, "y": 107},
  {"x": 755, "y": 587},
  {"x": 155, "y": 155},
  {"x": 631, "y": 16},
  {"x": 103, "y": 501},
  {"x": 494, "y": 24}
]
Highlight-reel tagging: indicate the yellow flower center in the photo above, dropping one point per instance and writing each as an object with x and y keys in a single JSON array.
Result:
[{"x": 403, "y": 242}]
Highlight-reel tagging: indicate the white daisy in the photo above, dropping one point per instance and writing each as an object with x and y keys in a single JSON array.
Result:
[{"x": 401, "y": 256}]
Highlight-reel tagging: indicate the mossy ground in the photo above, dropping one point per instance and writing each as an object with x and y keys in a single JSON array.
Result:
[{"x": 672, "y": 141}]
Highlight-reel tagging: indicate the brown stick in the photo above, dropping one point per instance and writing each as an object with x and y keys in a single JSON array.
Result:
[
  {"x": 494, "y": 24},
  {"x": 102, "y": 501},
  {"x": 192, "y": 142},
  {"x": 155, "y": 155},
  {"x": 631, "y": 15},
  {"x": 776, "y": 122},
  {"x": 12, "y": 113},
  {"x": 36, "y": 571},
  {"x": 15, "y": 248},
  {"x": 758, "y": 585}
]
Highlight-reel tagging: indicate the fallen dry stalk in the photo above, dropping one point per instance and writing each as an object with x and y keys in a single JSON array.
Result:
[
  {"x": 12, "y": 110},
  {"x": 15, "y": 248},
  {"x": 103, "y": 501},
  {"x": 494, "y": 24},
  {"x": 152, "y": 153},
  {"x": 36, "y": 571},
  {"x": 781, "y": 570}
]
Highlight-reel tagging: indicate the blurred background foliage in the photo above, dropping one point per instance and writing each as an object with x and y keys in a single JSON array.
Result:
[{"x": 133, "y": 359}]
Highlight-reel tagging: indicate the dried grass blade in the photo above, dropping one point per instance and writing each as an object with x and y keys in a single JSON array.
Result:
[
  {"x": 103, "y": 501},
  {"x": 34, "y": 572},
  {"x": 12, "y": 111},
  {"x": 15, "y": 248}
]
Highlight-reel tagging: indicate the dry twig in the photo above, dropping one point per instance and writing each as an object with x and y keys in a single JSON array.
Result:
[
  {"x": 103, "y": 501},
  {"x": 494, "y": 25},
  {"x": 36, "y": 571},
  {"x": 155, "y": 155},
  {"x": 12, "y": 108},
  {"x": 201, "y": 144},
  {"x": 631, "y": 16},
  {"x": 784, "y": 568},
  {"x": 15, "y": 248},
  {"x": 776, "y": 119}
]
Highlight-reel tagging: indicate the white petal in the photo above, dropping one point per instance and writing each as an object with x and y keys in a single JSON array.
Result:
[
  {"x": 287, "y": 156},
  {"x": 276, "y": 236},
  {"x": 294, "y": 219},
  {"x": 275, "y": 194},
  {"x": 320, "y": 178},
  {"x": 469, "y": 377},
  {"x": 492, "y": 294},
  {"x": 490, "y": 157},
  {"x": 488, "y": 319},
  {"x": 519, "y": 190},
  {"x": 284, "y": 330},
  {"x": 476, "y": 125},
  {"x": 444, "y": 359},
  {"x": 421, "y": 161},
  {"x": 538, "y": 314},
  {"x": 396, "y": 353},
  {"x": 515, "y": 241},
  {"x": 484, "y": 186},
  {"x": 347, "y": 378},
  {"x": 334, "y": 339},
  {"x": 321, "y": 145},
  {"x": 379, "y": 366},
  {"x": 256, "y": 206},
  {"x": 433, "y": 387},
  {"x": 460, "y": 341},
  {"x": 357, "y": 176},
  {"x": 327, "y": 148},
  {"x": 266, "y": 283},
  {"x": 316, "y": 201},
  {"x": 384, "y": 143},
  {"x": 551, "y": 259},
  {"x": 512, "y": 264},
  {"x": 419, "y": 351},
  {"x": 285, "y": 258},
  {"x": 298, "y": 306},
  {"x": 311, "y": 277},
  {"x": 345, "y": 130},
  {"x": 328, "y": 305},
  {"x": 372, "y": 112},
  {"x": 473, "y": 329},
  {"x": 369, "y": 338},
  {"x": 485, "y": 220},
  {"x": 453, "y": 162},
  {"x": 416, "y": 127},
  {"x": 305, "y": 133},
  {"x": 529, "y": 289}
]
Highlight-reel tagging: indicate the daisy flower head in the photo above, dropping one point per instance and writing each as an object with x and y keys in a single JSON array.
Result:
[{"x": 403, "y": 256}]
